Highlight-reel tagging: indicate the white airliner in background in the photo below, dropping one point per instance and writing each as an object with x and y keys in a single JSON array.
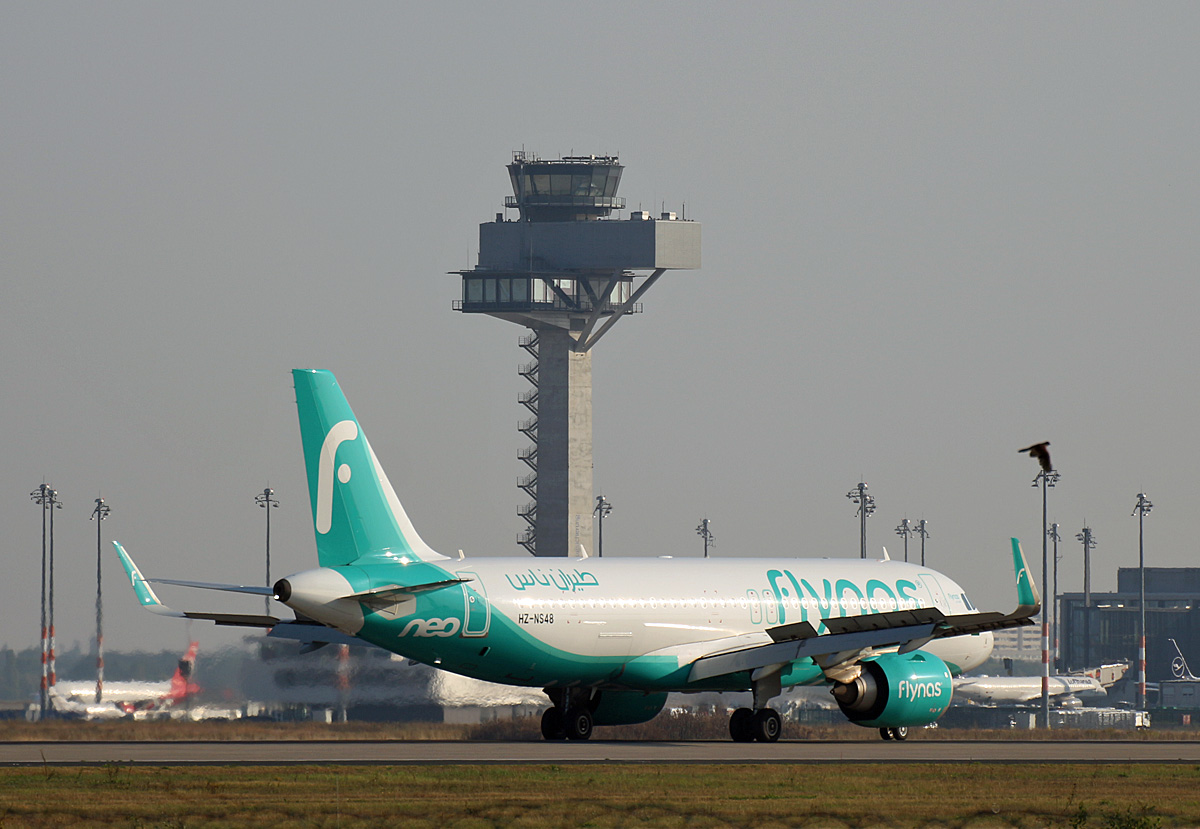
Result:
[
  {"x": 608, "y": 639},
  {"x": 1066, "y": 691},
  {"x": 127, "y": 698}
]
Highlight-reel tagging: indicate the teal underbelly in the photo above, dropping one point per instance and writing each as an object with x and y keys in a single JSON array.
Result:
[{"x": 510, "y": 655}]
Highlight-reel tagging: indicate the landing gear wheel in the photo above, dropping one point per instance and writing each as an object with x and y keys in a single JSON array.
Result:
[
  {"x": 767, "y": 725},
  {"x": 900, "y": 733},
  {"x": 552, "y": 724},
  {"x": 885, "y": 733},
  {"x": 578, "y": 724},
  {"x": 741, "y": 725}
]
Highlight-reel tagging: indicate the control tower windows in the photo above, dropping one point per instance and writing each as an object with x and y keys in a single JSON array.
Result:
[
  {"x": 600, "y": 181},
  {"x": 531, "y": 291}
]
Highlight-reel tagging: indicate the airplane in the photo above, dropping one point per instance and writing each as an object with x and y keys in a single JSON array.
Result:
[
  {"x": 608, "y": 638},
  {"x": 126, "y": 699},
  {"x": 1066, "y": 691}
]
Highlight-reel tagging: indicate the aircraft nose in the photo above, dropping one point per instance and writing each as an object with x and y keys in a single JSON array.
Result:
[{"x": 282, "y": 591}]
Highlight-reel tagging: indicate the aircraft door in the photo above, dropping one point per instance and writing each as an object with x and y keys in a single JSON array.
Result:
[
  {"x": 934, "y": 590},
  {"x": 477, "y": 615}
]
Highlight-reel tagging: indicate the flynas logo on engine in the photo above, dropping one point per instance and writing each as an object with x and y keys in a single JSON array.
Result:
[
  {"x": 913, "y": 691},
  {"x": 341, "y": 432}
]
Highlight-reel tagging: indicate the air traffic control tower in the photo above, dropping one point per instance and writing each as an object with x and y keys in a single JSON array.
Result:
[{"x": 565, "y": 269}]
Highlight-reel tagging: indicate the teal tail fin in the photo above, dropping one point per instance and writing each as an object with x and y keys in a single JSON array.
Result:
[
  {"x": 355, "y": 510},
  {"x": 1029, "y": 601}
]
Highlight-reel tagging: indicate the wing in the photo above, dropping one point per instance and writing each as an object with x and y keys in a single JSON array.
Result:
[{"x": 851, "y": 637}]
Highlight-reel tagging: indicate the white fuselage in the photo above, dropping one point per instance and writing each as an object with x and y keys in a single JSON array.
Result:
[
  {"x": 1018, "y": 690},
  {"x": 617, "y": 610}
]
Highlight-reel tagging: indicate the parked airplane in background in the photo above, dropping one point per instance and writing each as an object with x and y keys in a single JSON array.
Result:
[
  {"x": 1066, "y": 691},
  {"x": 125, "y": 699},
  {"x": 608, "y": 638}
]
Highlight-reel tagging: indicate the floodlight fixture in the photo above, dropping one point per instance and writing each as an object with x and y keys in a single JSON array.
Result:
[
  {"x": 1088, "y": 539},
  {"x": 100, "y": 513},
  {"x": 1054, "y": 537},
  {"x": 602, "y": 510},
  {"x": 47, "y": 498},
  {"x": 1046, "y": 479},
  {"x": 267, "y": 501},
  {"x": 922, "y": 529},
  {"x": 866, "y": 507},
  {"x": 1141, "y": 509},
  {"x": 905, "y": 529},
  {"x": 704, "y": 530}
]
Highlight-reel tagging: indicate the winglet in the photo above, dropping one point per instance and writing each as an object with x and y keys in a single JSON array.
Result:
[
  {"x": 1028, "y": 598},
  {"x": 145, "y": 594}
]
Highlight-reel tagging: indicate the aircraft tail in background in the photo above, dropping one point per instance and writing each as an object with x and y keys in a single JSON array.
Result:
[{"x": 182, "y": 686}]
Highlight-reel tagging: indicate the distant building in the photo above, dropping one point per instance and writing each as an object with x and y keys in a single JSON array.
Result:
[
  {"x": 366, "y": 683},
  {"x": 1024, "y": 643},
  {"x": 1107, "y": 631}
]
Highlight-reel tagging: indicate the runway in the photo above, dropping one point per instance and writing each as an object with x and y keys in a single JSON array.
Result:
[{"x": 595, "y": 751}]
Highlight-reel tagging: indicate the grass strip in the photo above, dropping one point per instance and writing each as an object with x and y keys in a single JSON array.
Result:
[{"x": 978, "y": 796}]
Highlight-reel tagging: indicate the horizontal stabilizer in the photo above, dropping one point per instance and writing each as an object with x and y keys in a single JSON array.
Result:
[
  {"x": 228, "y": 588},
  {"x": 248, "y": 620},
  {"x": 145, "y": 594},
  {"x": 150, "y": 601}
]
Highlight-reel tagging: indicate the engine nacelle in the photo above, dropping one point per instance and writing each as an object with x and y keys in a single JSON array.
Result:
[
  {"x": 897, "y": 690},
  {"x": 626, "y": 707}
]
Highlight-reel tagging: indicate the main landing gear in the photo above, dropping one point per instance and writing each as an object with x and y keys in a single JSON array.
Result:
[
  {"x": 747, "y": 725},
  {"x": 560, "y": 725},
  {"x": 571, "y": 716},
  {"x": 900, "y": 733},
  {"x": 760, "y": 722}
]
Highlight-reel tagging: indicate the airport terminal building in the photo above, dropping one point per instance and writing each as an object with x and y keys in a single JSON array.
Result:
[{"x": 1103, "y": 627}]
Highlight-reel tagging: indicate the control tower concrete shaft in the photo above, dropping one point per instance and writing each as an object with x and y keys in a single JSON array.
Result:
[{"x": 566, "y": 270}]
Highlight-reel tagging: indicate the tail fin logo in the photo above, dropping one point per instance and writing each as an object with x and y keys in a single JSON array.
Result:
[{"x": 341, "y": 432}]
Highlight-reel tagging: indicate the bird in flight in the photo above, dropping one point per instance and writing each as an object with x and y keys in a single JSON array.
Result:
[{"x": 1041, "y": 452}]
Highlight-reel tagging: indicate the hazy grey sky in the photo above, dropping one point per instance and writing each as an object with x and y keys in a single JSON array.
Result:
[{"x": 933, "y": 234}]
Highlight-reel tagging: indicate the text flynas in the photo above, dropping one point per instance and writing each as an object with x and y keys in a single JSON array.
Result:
[
  {"x": 913, "y": 691},
  {"x": 842, "y": 597}
]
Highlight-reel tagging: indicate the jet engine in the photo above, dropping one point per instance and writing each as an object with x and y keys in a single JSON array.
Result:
[{"x": 896, "y": 690}]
